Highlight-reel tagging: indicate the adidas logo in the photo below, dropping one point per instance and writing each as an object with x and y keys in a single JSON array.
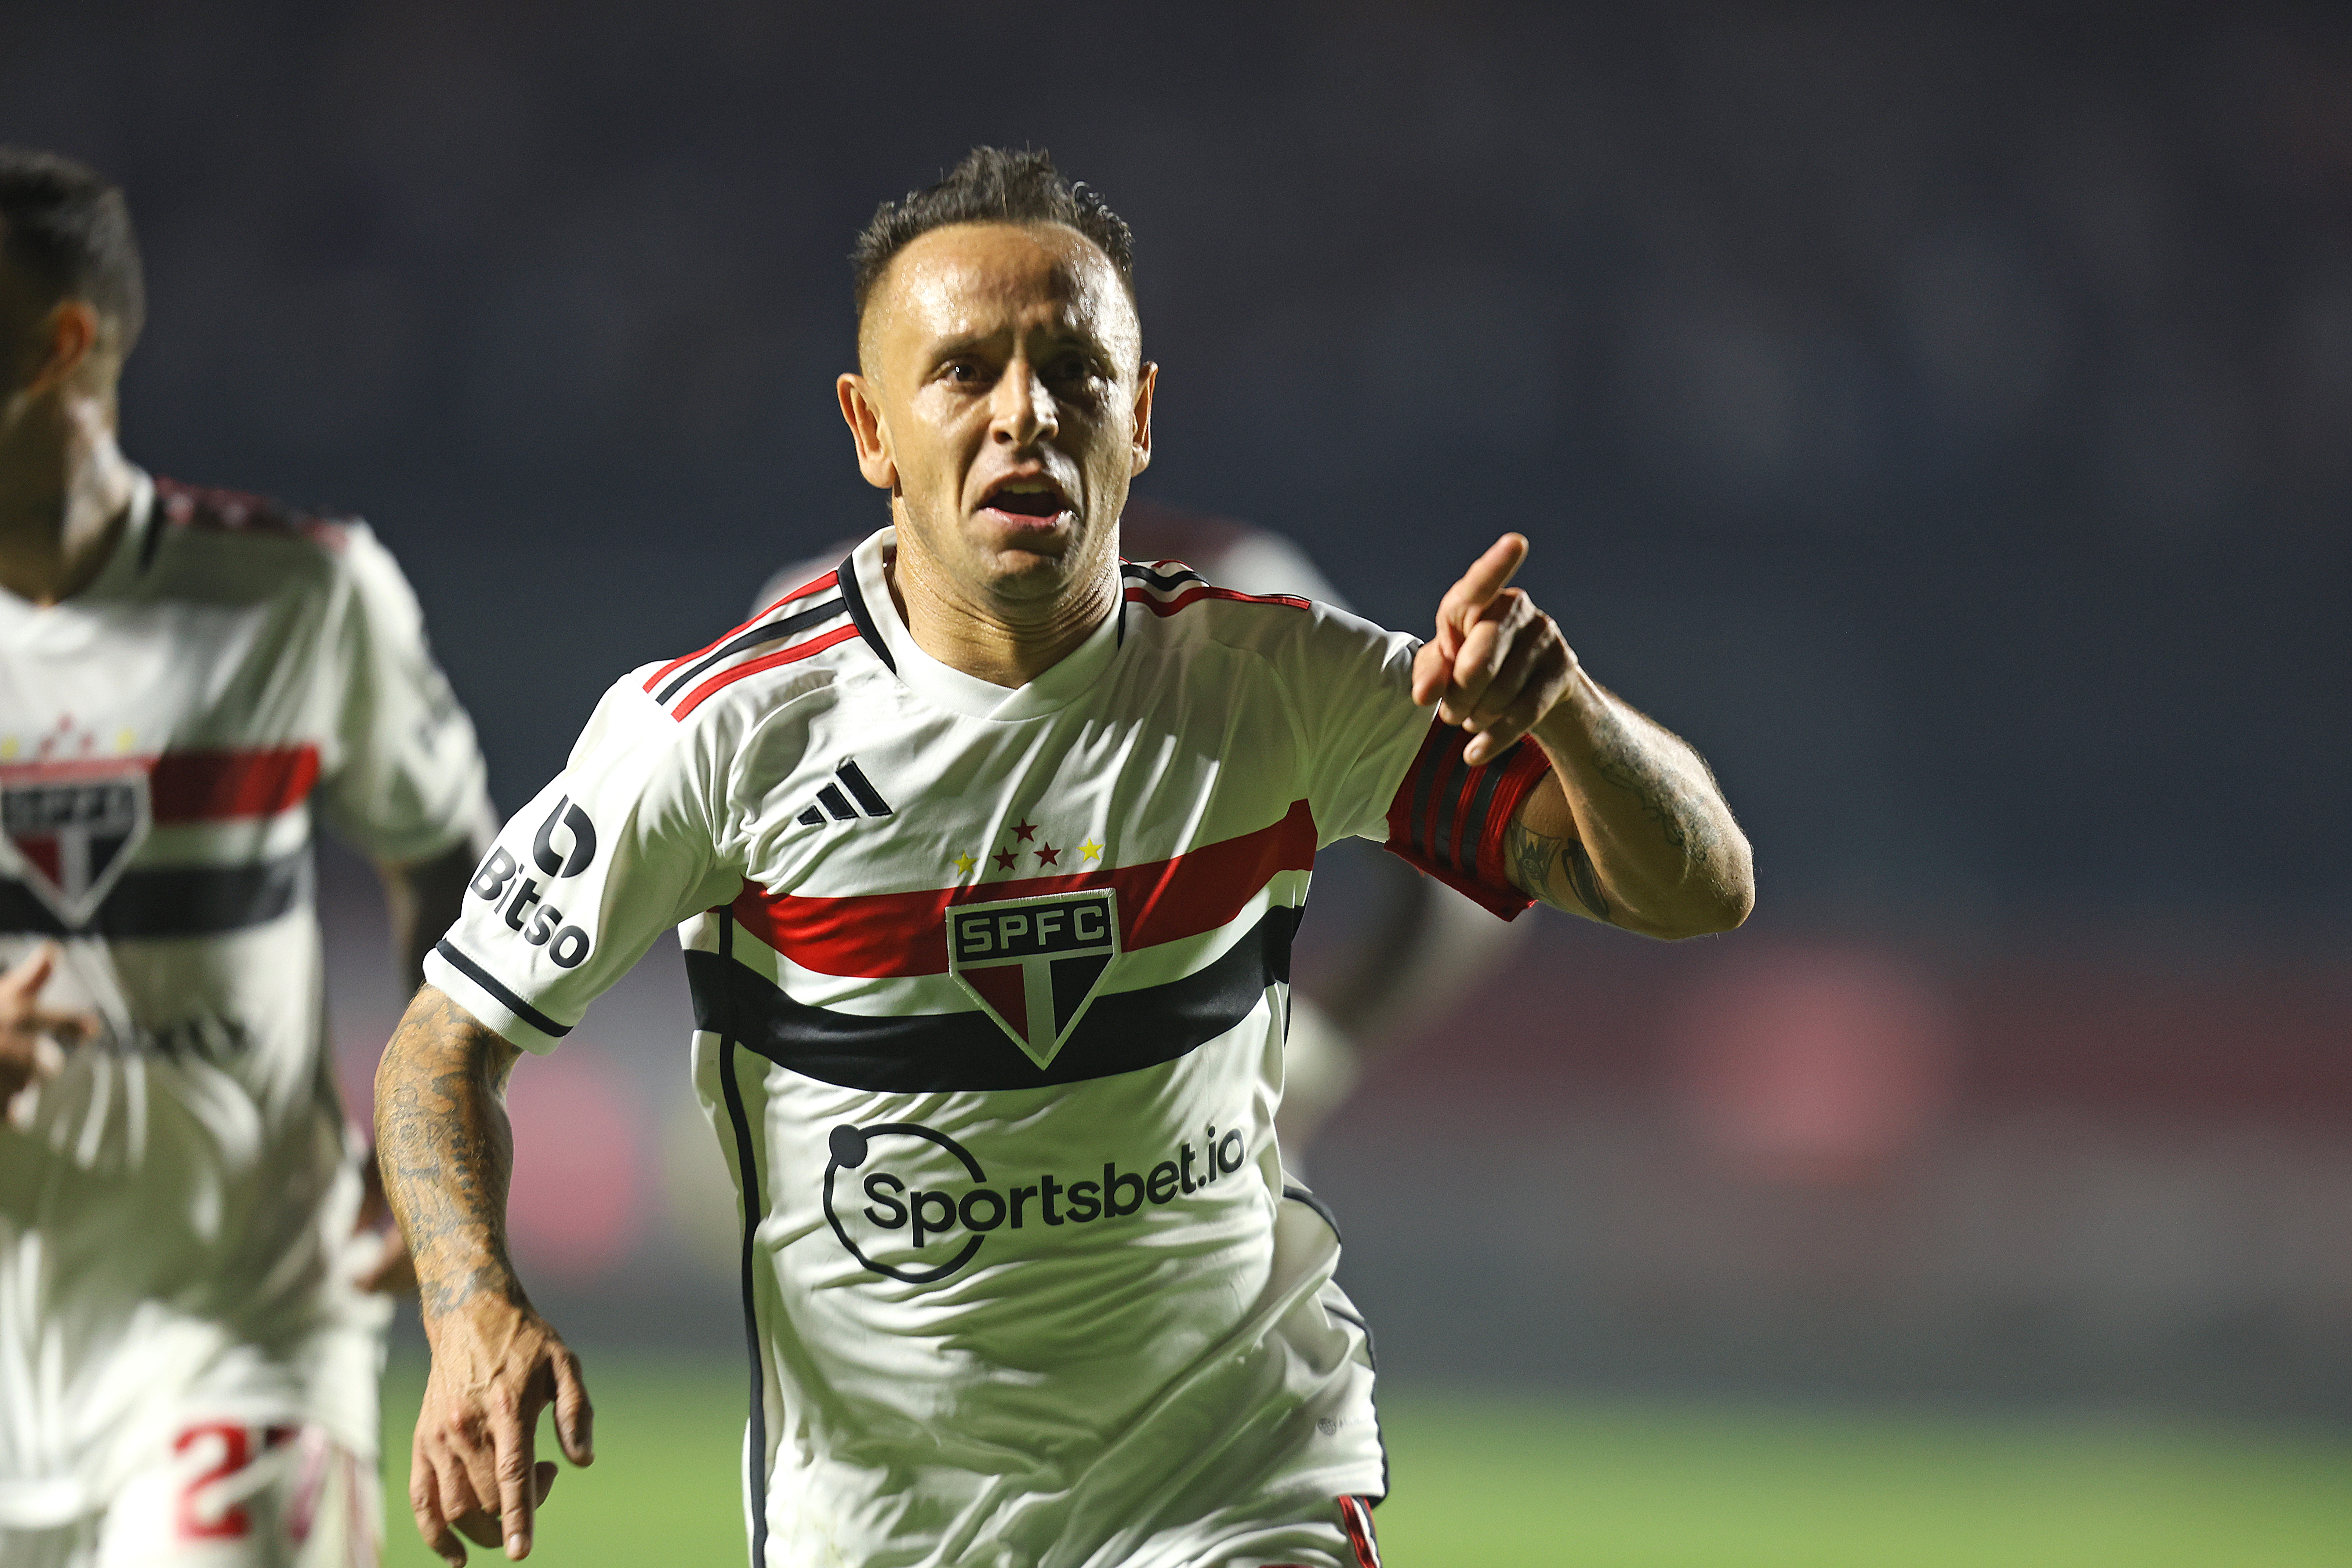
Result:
[{"x": 835, "y": 805}]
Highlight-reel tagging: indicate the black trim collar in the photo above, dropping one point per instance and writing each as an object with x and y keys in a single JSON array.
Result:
[{"x": 855, "y": 597}]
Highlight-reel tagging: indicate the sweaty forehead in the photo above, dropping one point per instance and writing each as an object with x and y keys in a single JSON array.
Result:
[{"x": 979, "y": 280}]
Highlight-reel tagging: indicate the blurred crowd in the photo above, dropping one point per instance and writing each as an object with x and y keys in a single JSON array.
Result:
[{"x": 1941, "y": 407}]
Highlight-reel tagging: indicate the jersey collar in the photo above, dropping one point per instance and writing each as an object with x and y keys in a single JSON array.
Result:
[
  {"x": 877, "y": 618},
  {"x": 134, "y": 551}
]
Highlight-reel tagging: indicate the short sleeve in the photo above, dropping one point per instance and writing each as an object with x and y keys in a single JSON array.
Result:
[
  {"x": 618, "y": 848},
  {"x": 402, "y": 778},
  {"x": 1352, "y": 687},
  {"x": 1382, "y": 768}
]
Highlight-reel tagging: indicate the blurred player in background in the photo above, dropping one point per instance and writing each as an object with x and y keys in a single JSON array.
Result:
[
  {"x": 1414, "y": 947},
  {"x": 190, "y": 1307},
  {"x": 986, "y": 849}
]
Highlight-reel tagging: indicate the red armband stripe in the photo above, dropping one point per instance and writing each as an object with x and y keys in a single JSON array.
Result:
[
  {"x": 1449, "y": 818},
  {"x": 1469, "y": 856},
  {"x": 1437, "y": 759}
]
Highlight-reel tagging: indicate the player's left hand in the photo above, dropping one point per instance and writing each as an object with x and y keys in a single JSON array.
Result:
[
  {"x": 392, "y": 1272},
  {"x": 33, "y": 1034},
  {"x": 1497, "y": 664}
]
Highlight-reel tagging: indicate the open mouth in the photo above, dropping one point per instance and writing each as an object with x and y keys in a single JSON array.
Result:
[{"x": 1037, "y": 499}]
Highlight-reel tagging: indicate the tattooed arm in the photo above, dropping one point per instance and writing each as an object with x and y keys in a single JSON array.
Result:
[
  {"x": 1629, "y": 827},
  {"x": 423, "y": 899},
  {"x": 446, "y": 1151}
]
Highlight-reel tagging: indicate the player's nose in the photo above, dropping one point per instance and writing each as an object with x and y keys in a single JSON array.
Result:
[{"x": 1024, "y": 411}]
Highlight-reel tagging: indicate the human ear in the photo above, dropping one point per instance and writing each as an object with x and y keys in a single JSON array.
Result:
[
  {"x": 63, "y": 344},
  {"x": 1144, "y": 384},
  {"x": 863, "y": 413}
]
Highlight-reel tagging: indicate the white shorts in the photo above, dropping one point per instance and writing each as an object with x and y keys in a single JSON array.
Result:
[{"x": 224, "y": 1494}]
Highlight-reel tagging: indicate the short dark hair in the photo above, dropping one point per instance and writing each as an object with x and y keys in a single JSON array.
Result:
[
  {"x": 66, "y": 229},
  {"x": 992, "y": 185}
]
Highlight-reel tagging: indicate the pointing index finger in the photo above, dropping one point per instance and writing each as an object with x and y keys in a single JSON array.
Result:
[{"x": 1491, "y": 572}]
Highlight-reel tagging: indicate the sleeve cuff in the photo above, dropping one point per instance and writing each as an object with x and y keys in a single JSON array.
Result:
[{"x": 449, "y": 969}]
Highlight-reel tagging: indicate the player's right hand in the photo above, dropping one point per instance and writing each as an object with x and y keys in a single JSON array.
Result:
[
  {"x": 471, "y": 1470},
  {"x": 33, "y": 1037}
]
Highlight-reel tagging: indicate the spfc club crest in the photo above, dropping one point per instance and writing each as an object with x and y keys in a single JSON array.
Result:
[
  {"x": 1035, "y": 963},
  {"x": 73, "y": 827}
]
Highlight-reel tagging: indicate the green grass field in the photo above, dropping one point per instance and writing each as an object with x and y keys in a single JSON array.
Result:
[{"x": 1500, "y": 1483}]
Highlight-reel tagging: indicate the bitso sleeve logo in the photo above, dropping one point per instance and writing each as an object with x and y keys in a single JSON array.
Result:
[
  {"x": 1034, "y": 964},
  {"x": 529, "y": 907}
]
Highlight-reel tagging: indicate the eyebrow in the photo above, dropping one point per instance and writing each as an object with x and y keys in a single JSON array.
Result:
[{"x": 1058, "y": 335}]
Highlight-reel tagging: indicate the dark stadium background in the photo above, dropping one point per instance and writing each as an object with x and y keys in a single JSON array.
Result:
[{"x": 1942, "y": 414}]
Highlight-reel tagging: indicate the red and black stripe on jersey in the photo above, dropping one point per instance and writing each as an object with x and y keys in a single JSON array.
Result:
[
  {"x": 1447, "y": 820},
  {"x": 904, "y": 935},
  {"x": 804, "y": 622},
  {"x": 183, "y": 788}
]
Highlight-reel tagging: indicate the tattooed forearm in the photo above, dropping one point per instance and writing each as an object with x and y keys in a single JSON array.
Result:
[
  {"x": 1685, "y": 808},
  {"x": 1583, "y": 880},
  {"x": 446, "y": 1151},
  {"x": 1536, "y": 856},
  {"x": 1644, "y": 838}
]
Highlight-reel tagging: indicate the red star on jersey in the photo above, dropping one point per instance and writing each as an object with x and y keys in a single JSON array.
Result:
[
  {"x": 1048, "y": 856},
  {"x": 1027, "y": 830},
  {"x": 1005, "y": 860}
]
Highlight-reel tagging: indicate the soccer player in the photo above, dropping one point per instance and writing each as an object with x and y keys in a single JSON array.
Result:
[
  {"x": 988, "y": 851},
  {"x": 1418, "y": 946},
  {"x": 188, "y": 1355}
]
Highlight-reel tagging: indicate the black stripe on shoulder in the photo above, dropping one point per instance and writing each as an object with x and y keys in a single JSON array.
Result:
[
  {"x": 506, "y": 998},
  {"x": 928, "y": 1052},
  {"x": 852, "y": 597},
  {"x": 773, "y": 631}
]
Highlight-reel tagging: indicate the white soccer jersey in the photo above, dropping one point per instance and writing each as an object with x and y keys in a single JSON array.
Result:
[
  {"x": 989, "y": 988},
  {"x": 175, "y": 1204}
]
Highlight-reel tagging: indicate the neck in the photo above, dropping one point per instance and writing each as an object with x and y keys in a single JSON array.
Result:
[
  {"x": 65, "y": 494},
  {"x": 1005, "y": 642}
]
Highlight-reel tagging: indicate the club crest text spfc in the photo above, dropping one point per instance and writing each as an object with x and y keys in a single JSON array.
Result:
[
  {"x": 1035, "y": 963},
  {"x": 74, "y": 828}
]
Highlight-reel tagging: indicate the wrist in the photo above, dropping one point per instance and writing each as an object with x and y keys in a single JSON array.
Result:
[
  {"x": 1582, "y": 709},
  {"x": 480, "y": 1303}
]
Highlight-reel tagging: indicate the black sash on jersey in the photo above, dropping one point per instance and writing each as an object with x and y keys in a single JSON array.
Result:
[{"x": 926, "y": 1052}]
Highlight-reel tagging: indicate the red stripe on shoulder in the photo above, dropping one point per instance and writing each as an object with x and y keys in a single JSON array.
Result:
[
  {"x": 713, "y": 646},
  {"x": 205, "y": 510},
  {"x": 815, "y": 645},
  {"x": 894, "y": 935},
  {"x": 1199, "y": 591},
  {"x": 816, "y": 586}
]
